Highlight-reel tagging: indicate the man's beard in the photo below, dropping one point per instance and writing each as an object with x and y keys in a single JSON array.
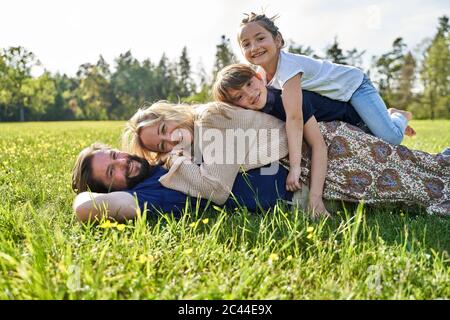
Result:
[{"x": 145, "y": 171}]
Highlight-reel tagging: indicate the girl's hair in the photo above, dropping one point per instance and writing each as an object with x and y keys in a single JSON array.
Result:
[
  {"x": 234, "y": 76},
  {"x": 150, "y": 115},
  {"x": 265, "y": 22}
]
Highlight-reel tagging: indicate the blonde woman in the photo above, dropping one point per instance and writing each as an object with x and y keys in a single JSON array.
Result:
[
  {"x": 158, "y": 122},
  {"x": 360, "y": 166}
]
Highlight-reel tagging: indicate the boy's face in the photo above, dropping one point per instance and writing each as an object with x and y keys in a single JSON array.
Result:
[{"x": 252, "y": 95}]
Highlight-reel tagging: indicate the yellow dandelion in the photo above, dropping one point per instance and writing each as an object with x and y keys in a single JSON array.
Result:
[
  {"x": 105, "y": 225},
  {"x": 274, "y": 257},
  {"x": 205, "y": 221},
  {"x": 289, "y": 258},
  {"x": 310, "y": 229},
  {"x": 121, "y": 227},
  {"x": 142, "y": 258},
  {"x": 309, "y": 236},
  {"x": 188, "y": 251},
  {"x": 193, "y": 224}
]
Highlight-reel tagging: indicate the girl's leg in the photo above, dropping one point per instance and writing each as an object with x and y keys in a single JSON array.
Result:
[{"x": 371, "y": 108}]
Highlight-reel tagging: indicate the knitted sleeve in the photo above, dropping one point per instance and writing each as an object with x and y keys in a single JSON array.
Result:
[{"x": 214, "y": 178}]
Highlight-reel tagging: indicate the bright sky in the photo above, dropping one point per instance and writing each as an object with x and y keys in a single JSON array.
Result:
[{"x": 64, "y": 34}]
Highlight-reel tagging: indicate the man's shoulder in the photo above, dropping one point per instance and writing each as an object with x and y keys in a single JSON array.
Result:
[{"x": 151, "y": 181}]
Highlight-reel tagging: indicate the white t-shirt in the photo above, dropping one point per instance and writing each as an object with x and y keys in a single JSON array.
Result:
[{"x": 332, "y": 80}]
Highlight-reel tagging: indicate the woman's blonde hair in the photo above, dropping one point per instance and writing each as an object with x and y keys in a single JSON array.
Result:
[{"x": 149, "y": 115}]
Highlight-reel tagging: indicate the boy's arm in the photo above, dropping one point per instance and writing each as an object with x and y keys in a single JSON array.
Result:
[
  {"x": 319, "y": 160},
  {"x": 292, "y": 102},
  {"x": 319, "y": 157},
  {"x": 116, "y": 205}
]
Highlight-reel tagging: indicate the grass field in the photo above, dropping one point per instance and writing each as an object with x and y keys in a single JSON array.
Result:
[{"x": 281, "y": 254}]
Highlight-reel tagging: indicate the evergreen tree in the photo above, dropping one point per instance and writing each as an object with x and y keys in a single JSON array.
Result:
[
  {"x": 354, "y": 57},
  {"x": 435, "y": 72},
  {"x": 185, "y": 83},
  {"x": 404, "y": 91},
  {"x": 300, "y": 49},
  {"x": 62, "y": 109},
  {"x": 166, "y": 80},
  {"x": 335, "y": 54},
  {"x": 388, "y": 67},
  {"x": 224, "y": 55},
  {"x": 94, "y": 92}
]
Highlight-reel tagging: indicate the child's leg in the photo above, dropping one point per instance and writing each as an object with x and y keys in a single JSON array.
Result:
[
  {"x": 409, "y": 131},
  {"x": 371, "y": 108}
]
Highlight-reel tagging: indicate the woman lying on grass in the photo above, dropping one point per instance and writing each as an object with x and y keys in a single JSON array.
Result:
[{"x": 360, "y": 166}]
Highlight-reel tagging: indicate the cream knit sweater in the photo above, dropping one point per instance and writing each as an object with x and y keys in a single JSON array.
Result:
[{"x": 223, "y": 157}]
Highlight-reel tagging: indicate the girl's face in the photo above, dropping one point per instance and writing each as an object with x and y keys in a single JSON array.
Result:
[
  {"x": 258, "y": 45},
  {"x": 165, "y": 136},
  {"x": 252, "y": 95}
]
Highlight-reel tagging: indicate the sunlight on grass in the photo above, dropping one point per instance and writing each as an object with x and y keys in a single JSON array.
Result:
[{"x": 45, "y": 254}]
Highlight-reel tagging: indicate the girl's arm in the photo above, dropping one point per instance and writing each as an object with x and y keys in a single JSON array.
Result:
[
  {"x": 292, "y": 101},
  {"x": 319, "y": 159}
]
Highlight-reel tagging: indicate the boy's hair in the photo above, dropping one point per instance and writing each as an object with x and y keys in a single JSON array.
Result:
[
  {"x": 265, "y": 22},
  {"x": 82, "y": 171},
  {"x": 234, "y": 76}
]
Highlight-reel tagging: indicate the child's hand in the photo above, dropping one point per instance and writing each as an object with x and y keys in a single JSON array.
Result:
[
  {"x": 293, "y": 180},
  {"x": 317, "y": 207}
]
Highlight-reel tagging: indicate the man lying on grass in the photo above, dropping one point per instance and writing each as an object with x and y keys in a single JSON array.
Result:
[{"x": 108, "y": 181}]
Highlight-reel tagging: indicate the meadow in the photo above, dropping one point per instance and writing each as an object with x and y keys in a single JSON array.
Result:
[{"x": 364, "y": 253}]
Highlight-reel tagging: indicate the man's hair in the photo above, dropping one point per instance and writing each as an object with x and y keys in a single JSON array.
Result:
[
  {"x": 234, "y": 76},
  {"x": 82, "y": 177}
]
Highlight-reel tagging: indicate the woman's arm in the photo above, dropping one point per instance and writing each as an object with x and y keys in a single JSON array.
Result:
[
  {"x": 224, "y": 146},
  {"x": 319, "y": 160},
  {"x": 292, "y": 101},
  {"x": 118, "y": 206},
  {"x": 208, "y": 181}
]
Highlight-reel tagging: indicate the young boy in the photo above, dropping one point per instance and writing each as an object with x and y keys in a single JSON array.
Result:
[{"x": 240, "y": 85}]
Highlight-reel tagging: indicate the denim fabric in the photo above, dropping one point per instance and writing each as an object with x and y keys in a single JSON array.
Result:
[{"x": 371, "y": 108}]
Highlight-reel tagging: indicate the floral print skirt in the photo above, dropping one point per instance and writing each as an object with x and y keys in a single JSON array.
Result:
[{"x": 362, "y": 167}]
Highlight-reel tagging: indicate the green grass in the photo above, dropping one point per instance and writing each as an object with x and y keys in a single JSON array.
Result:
[{"x": 45, "y": 254}]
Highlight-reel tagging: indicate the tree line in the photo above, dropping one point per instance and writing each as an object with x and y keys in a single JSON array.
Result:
[{"x": 418, "y": 82}]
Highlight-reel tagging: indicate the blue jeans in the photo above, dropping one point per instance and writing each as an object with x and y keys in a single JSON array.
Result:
[
  {"x": 446, "y": 152},
  {"x": 371, "y": 108}
]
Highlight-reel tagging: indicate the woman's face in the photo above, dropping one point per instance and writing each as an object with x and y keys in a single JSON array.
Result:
[
  {"x": 165, "y": 136},
  {"x": 258, "y": 45}
]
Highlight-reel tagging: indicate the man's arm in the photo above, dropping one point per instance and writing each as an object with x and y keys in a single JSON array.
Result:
[{"x": 117, "y": 205}]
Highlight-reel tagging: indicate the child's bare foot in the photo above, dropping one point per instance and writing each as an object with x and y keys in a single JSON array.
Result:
[
  {"x": 406, "y": 114},
  {"x": 410, "y": 132}
]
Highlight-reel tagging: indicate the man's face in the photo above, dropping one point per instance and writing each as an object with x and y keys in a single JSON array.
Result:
[{"x": 118, "y": 170}]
